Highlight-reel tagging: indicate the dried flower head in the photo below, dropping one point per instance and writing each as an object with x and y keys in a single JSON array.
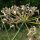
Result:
[
  {"x": 17, "y": 14},
  {"x": 31, "y": 33}
]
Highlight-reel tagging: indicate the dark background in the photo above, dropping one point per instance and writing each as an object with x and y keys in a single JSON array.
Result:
[{"x": 9, "y": 3}]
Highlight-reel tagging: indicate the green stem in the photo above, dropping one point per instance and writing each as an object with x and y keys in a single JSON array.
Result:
[
  {"x": 6, "y": 32},
  {"x": 17, "y": 33},
  {"x": 1, "y": 16},
  {"x": 38, "y": 23},
  {"x": 27, "y": 27}
]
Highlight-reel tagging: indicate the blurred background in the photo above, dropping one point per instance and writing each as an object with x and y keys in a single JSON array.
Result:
[{"x": 9, "y": 3}]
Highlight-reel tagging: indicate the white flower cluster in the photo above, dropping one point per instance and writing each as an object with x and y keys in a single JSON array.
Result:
[
  {"x": 31, "y": 33},
  {"x": 14, "y": 14}
]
